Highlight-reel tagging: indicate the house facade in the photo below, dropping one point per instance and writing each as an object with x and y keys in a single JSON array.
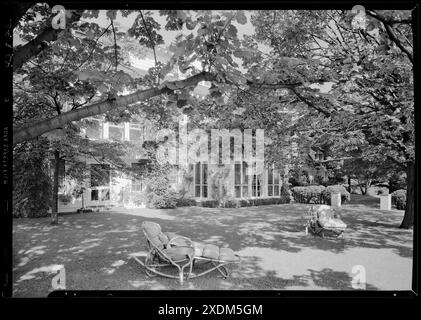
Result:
[{"x": 206, "y": 177}]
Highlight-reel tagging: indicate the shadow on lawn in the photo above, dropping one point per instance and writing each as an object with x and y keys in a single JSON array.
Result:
[
  {"x": 95, "y": 247},
  {"x": 282, "y": 227}
]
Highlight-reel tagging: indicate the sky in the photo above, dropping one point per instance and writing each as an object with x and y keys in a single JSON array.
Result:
[{"x": 122, "y": 24}]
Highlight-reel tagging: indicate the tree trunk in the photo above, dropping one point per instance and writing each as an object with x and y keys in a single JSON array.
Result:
[
  {"x": 54, "y": 209},
  {"x": 408, "y": 219},
  {"x": 349, "y": 184},
  {"x": 360, "y": 184}
]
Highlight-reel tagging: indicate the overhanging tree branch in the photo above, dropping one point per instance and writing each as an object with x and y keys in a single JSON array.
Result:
[
  {"x": 37, "y": 129},
  {"x": 35, "y": 46},
  {"x": 389, "y": 29},
  {"x": 18, "y": 10},
  {"x": 309, "y": 103}
]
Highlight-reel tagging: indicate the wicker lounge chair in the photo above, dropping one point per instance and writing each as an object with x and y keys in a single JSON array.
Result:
[
  {"x": 324, "y": 222},
  {"x": 169, "y": 249}
]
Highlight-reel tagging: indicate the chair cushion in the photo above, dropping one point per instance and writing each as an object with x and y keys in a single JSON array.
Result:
[
  {"x": 179, "y": 242},
  {"x": 198, "y": 249},
  {"x": 153, "y": 231},
  {"x": 210, "y": 251},
  {"x": 179, "y": 253},
  {"x": 226, "y": 254},
  {"x": 164, "y": 239}
]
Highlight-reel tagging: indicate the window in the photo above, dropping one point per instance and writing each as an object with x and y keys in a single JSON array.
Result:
[
  {"x": 201, "y": 180},
  {"x": 116, "y": 132},
  {"x": 137, "y": 184},
  {"x": 93, "y": 129},
  {"x": 100, "y": 195},
  {"x": 100, "y": 182},
  {"x": 273, "y": 182},
  {"x": 255, "y": 183},
  {"x": 136, "y": 136},
  {"x": 319, "y": 156},
  {"x": 240, "y": 180},
  {"x": 94, "y": 195}
]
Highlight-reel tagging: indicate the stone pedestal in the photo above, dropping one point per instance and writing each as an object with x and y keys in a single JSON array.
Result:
[
  {"x": 335, "y": 200},
  {"x": 386, "y": 202}
]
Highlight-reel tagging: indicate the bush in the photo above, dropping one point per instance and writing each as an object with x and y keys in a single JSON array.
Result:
[
  {"x": 309, "y": 194},
  {"x": 285, "y": 194},
  {"x": 185, "y": 202},
  {"x": 32, "y": 185},
  {"x": 399, "y": 199},
  {"x": 209, "y": 203},
  {"x": 237, "y": 203},
  {"x": 159, "y": 194},
  {"x": 230, "y": 203},
  {"x": 345, "y": 196},
  {"x": 160, "y": 202}
]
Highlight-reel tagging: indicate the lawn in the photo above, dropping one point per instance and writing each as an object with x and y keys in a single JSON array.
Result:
[{"x": 95, "y": 249}]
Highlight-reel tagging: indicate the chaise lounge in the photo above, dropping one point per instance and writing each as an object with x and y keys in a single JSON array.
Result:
[{"x": 170, "y": 249}]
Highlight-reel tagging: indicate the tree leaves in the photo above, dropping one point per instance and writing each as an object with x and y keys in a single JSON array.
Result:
[{"x": 241, "y": 17}]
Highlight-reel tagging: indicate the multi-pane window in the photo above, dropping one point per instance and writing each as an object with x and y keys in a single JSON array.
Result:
[
  {"x": 319, "y": 156},
  {"x": 93, "y": 129},
  {"x": 100, "y": 194},
  {"x": 201, "y": 180},
  {"x": 136, "y": 134},
  {"x": 240, "y": 180},
  {"x": 273, "y": 182},
  {"x": 137, "y": 184},
  {"x": 116, "y": 132},
  {"x": 255, "y": 183}
]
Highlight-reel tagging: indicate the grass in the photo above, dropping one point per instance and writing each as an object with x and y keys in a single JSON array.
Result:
[{"x": 95, "y": 249}]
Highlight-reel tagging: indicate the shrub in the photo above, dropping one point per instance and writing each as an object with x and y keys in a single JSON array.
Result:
[
  {"x": 185, "y": 202},
  {"x": 230, "y": 203},
  {"x": 309, "y": 194},
  {"x": 32, "y": 185},
  {"x": 245, "y": 203},
  {"x": 285, "y": 194},
  {"x": 399, "y": 199},
  {"x": 160, "y": 201},
  {"x": 345, "y": 196},
  {"x": 159, "y": 194},
  {"x": 237, "y": 203},
  {"x": 209, "y": 203}
]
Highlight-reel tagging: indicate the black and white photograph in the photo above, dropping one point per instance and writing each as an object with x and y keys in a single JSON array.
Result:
[{"x": 226, "y": 149}]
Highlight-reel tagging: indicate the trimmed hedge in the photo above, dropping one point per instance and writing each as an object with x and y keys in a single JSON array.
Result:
[
  {"x": 285, "y": 194},
  {"x": 185, "y": 202},
  {"x": 319, "y": 194},
  {"x": 399, "y": 199},
  {"x": 309, "y": 194},
  {"x": 237, "y": 203},
  {"x": 345, "y": 196}
]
